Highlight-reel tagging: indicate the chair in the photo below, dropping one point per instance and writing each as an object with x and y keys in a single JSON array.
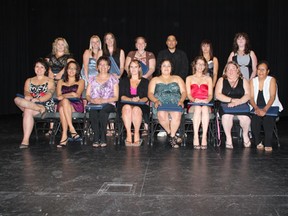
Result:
[
  {"x": 112, "y": 119},
  {"x": 212, "y": 127},
  {"x": 155, "y": 125},
  {"x": 121, "y": 127}
]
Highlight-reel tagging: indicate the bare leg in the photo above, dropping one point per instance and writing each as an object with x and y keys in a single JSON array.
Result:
[
  {"x": 68, "y": 110},
  {"x": 28, "y": 123},
  {"x": 163, "y": 119},
  {"x": 127, "y": 119},
  {"x": 205, "y": 124},
  {"x": 227, "y": 122},
  {"x": 196, "y": 124},
  {"x": 137, "y": 120},
  {"x": 64, "y": 125},
  {"x": 175, "y": 122},
  {"x": 245, "y": 124}
]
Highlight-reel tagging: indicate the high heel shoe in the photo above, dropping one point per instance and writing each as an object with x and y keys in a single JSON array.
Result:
[
  {"x": 75, "y": 137},
  {"x": 247, "y": 144},
  {"x": 62, "y": 143}
]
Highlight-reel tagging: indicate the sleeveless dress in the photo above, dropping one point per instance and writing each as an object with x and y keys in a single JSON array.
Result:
[
  {"x": 210, "y": 68},
  {"x": 245, "y": 63},
  {"x": 38, "y": 91},
  {"x": 199, "y": 91},
  {"x": 167, "y": 93},
  {"x": 57, "y": 64},
  {"x": 92, "y": 71},
  {"x": 77, "y": 105}
]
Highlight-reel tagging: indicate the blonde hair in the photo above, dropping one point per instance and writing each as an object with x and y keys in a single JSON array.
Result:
[
  {"x": 97, "y": 37},
  {"x": 237, "y": 67},
  {"x": 54, "y": 45}
]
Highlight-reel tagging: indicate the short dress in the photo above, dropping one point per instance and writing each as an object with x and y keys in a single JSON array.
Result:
[
  {"x": 77, "y": 105},
  {"x": 167, "y": 93},
  {"x": 38, "y": 91},
  {"x": 92, "y": 70},
  {"x": 198, "y": 92}
]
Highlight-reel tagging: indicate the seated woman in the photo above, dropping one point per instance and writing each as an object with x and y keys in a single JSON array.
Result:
[
  {"x": 263, "y": 95},
  {"x": 200, "y": 88},
  {"x": 71, "y": 86},
  {"x": 102, "y": 89},
  {"x": 168, "y": 89},
  {"x": 38, "y": 92},
  {"x": 233, "y": 89},
  {"x": 134, "y": 88}
]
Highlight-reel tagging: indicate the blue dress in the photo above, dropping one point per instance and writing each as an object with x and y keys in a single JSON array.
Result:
[{"x": 92, "y": 71}]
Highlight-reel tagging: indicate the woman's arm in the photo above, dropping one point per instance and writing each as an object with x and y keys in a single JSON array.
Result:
[
  {"x": 122, "y": 62},
  {"x": 218, "y": 92},
  {"x": 182, "y": 90},
  {"x": 50, "y": 91},
  {"x": 152, "y": 65},
  {"x": 254, "y": 64},
  {"x": 215, "y": 71},
  {"x": 86, "y": 57},
  {"x": 188, "y": 88}
]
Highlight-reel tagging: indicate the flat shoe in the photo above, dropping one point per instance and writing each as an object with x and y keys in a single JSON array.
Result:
[
  {"x": 96, "y": 144},
  {"x": 103, "y": 145},
  {"x": 247, "y": 144},
  {"x": 260, "y": 146},
  {"x": 24, "y": 146}
]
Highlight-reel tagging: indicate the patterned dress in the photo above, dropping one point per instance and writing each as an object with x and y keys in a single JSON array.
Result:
[
  {"x": 38, "y": 91},
  {"x": 167, "y": 93}
]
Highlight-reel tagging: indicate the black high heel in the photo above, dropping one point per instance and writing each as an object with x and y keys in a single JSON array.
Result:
[
  {"x": 75, "y": 137},
  {"x": 63, "y": 143}
]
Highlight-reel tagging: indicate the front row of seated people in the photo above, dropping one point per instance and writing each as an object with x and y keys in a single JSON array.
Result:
[{"x": 135, "y": 92}]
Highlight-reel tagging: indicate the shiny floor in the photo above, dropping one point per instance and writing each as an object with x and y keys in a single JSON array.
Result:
[{"x": 118, "y": 180}]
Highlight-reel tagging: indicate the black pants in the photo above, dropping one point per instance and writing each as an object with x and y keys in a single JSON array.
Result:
[
  {"x": 268, "y": 123},
  {"x": 99, "y": 120}
]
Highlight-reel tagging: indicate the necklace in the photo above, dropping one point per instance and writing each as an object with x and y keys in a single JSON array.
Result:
[{"x": 141, "y": 54}]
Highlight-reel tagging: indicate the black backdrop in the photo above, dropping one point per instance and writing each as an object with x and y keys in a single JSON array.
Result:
[{"x": 29, "y": 27}]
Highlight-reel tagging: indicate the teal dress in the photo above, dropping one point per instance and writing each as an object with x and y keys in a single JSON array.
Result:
[{"x": 167, "y": 93}]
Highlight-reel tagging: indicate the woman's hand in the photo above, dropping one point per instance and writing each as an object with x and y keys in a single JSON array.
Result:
[
  {"x": 135, "y": 99},
  {"x": 181, "y": 103},
  {"x": 157, "y": 103}
]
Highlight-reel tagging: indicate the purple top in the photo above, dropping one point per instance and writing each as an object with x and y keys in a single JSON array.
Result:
[
  {"x": 103, "y": 90},
  {"x": 77, "y": 105}
]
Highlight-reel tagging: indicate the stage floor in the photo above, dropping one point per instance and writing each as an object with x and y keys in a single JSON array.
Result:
[{"x": 147, "y": 180}]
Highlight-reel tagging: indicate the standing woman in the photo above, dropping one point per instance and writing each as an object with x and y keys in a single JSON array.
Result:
[
  {"x": 199, "y": 90},
  {"x": 206, "y": 50},
  {"x": 134, "y": 88},
  {"x": 57, "y": 60},
  {"x": 147, "y": 59},
  {"x": 115, "y": 54},
  {"x": 90, "y": 57},
  {"x": 71, "y": 86},
  {"x": 103, "y": 89},
  {"x": 263, "y": 95},
  {"x": 243, "y": 55},
  {"x": 168, "y": 89},
  {"x": 38, "y": 92}
]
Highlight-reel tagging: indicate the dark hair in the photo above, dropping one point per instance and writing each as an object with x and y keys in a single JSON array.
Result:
[
  {"x": 169, "y": 60},
  {"x": 203, "y": 42},
  {"x": 247, "y": 44},
  {"x": 44, "y": 63},
  {"x": 103, "y": 58},
  {"x": 263, "y": 62},
  {"x": 105, "y": 47},
  {"x": 77, "y": 75}
]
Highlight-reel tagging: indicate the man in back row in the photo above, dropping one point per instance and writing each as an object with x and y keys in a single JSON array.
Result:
[{"x": 179, "y": 60}]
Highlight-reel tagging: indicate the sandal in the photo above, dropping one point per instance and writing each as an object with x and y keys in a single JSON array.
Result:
[
  {"x": 62, "y": 143},
  {"x": 109, "y": 133},
  {"x": 49, "y": 132},
  {"x": 260, "y": 146},
  {"x": 203, "y": 147},
  {"x": 75, "y": 137},
  {"x": 178, "y": 139},
  {"x": 229, "y": 146},
  {"x": 137, "y": 143},
  {"x": 173, "y": 142},
  {"x": 247, "y": 144},
  {"x": 196, "y": 146},
  {"x": 128, "y": 143}
]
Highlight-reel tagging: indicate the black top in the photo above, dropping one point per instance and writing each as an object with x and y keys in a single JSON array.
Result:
[
  {"x": 260, "y": 99},
  {"x": 142, "y": 91},
  {"x": 57, "y": 64},
  {"x": 233, "y": 92},
  {"x": 179, "y": 60}
]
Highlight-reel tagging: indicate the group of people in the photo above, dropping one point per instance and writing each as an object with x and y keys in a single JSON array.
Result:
[{"x": 140, "y": 81}]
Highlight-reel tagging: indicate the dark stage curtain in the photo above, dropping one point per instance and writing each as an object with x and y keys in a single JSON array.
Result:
[{"x": 30, "y": 26}]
